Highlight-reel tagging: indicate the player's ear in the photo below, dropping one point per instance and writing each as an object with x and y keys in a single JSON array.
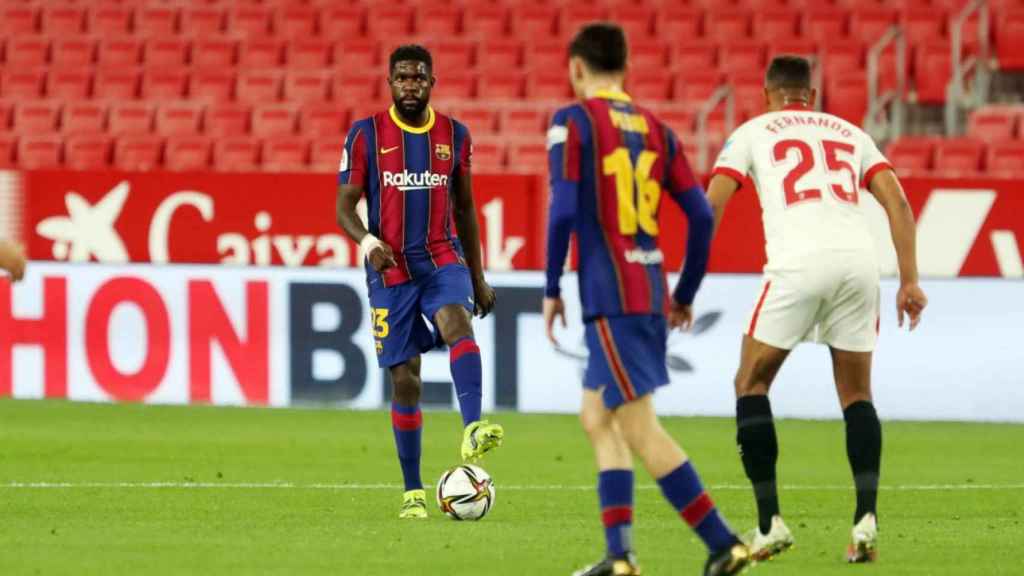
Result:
[{"x": 813, "y": 99}]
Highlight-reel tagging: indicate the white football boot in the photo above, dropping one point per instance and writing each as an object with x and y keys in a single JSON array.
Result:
[
  {"x": 864, "y": 541},
  {"x": 766, "y": 546}
]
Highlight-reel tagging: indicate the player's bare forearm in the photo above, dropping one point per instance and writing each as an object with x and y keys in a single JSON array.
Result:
[
  {"x": 348, "y": 219},
  {"x": 468, "y": 228},
  {"x": 720, "y": 190},
  {"x": 887, "y": 189}
]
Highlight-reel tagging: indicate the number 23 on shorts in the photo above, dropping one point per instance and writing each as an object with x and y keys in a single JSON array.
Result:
[{"x": 381, "y": 329}]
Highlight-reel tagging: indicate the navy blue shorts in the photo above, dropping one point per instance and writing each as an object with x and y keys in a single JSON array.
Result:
[
  {"x": 627, "y": 357},
  {"x": 400, "y": 331}
]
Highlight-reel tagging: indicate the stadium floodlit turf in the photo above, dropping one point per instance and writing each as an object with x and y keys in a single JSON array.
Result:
[{"x": 104, "y": 489}]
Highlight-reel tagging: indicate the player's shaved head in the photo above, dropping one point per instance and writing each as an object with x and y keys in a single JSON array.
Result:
[
  {"x": 601, "y": 46},
  {"x": 410, "y": 53},
  {"x": 789, "y": 72}
]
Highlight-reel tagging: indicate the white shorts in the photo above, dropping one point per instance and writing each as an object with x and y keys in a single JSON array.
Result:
[{"x": 832, "y": 301}]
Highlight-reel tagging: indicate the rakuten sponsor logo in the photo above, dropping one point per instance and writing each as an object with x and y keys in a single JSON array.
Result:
[
  {"x": 645, "y": 257},
  {"x": 406, "y": 180}
]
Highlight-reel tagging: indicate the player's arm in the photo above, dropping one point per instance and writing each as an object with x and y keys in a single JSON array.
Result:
[
  {"x": 720, "y": 191},
  {"x": 352, "y": 178},
  {"x": 468, "y": 230},
  {"x": 689, "y": 195},
  {"x": 885, "y": 186},
  {"x": 564, "y": 167},
  {"x": 12, "y": 259}
]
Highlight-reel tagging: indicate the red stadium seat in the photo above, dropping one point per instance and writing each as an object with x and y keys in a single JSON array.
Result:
[
  {"x": 226, "y": 120},
  {"x": 178, "y": 119},
  {"x": 500, "y": 54},
  {"x": 214, "y": 52},
  {"x": 869, "y": 23},
  {"x": 651, "y": 86},
  {"x": 172, "y": 52},
  {"x": 73, "y": 52},
  {"x": 911, "y": 156},
  {"x": 934, "y": 69},
  {"x": 741, "y": 55},
  {"x": 138, "y": 153},
  {"x": 453, "y": 55},
  {"x": 636, "y": 21},
  {"x": 528, "y": 157},
  {"x": 688, "y": 55},
  {"x": 69, "y": 83},
  {"x": 155, "y": 21},
  {"x": 389, "y": 22},
  {"x": 63, "y": 20},
  {"x": 480, "y": 119},
  {"x": 83, "y": 118},
  {"x": 439, "y": 21},
  {"x": 305, "y": 87},
  {"x": 679, "y": 23},
  {"x": 18, "y": 19},
  {"x": 573, "y": 16},
  {"x": 484, "y": 21},
  {"x": 1010, "y": 40},
  {"x": 26, "y": 84},
  {"x": 35, "y": 116},
  {"x": 776, "y": 23},
  {"x": 730, "y": 23},
  {"x": 696, "y": 87},
  {"x": 88, "y": 152},
  {"x": 680, "y": 120},
  {"x": 238, "y": 154},
  {"x": 213, "y": 85},
  {"x": 748, "y": 90},
  {"x": 824, "y": 23},
  {"x": 356, "y": 54},
  {"x": 644, "y": 55},
  {"x": 308, "y": 54},
  {"x": 165, "y": 84},
  {"x": 455, "y": 86},
  {"x": 534, "y": 22},
  {"x": 523, "y": 122},
  {"x": 500, "y": 85},
  {"x": 319, "y": 120},
  {"x": 110, "y": 20},
  {"x": 847, "y": 97},
  {"x": 258, "y": 53},
  {"x": 295, "y": 22},
  {"x": 6, "y": 115},
  {"x": 258, "y": 87},
  {"x": 958, "y": 157},
  {"x": 545, "y": 56},
  {"x": 39, "y": 151},
  {"x": 342, "y": 22},
  {"x": 325, "y": 154},
  {"x": 200, "y": 21},
  {"x": 26, "y": 51},
  {"x": 923, "y": 23},
  {"x": 286, "y": 154},
  {"x": 187, "y": 153},
  {"x": 792, "y": 46},
  {"x": 357, "y": 88},
  {"x": 8, "y": 146},
  {"x": 488, "y": 157},
  {"x": 249, "y": 21},
  {"x": 273, "y": 120},
  {"x": 115, "y": 84},
  {"x": 994, "y": 123},
  {"x": 130, "y": 118},
  {"x": 123, "y": 51},
  {"x": 841, "y": 58},
  {"x": 551, "y": 85},
  {"x": 1004, "y": 159}
]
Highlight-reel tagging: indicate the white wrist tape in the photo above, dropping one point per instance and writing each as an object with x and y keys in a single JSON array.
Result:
[{"x": 369, "y": 243}]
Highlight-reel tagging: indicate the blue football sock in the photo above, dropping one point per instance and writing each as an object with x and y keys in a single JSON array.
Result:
[
  {"x": 407, "y": 422},
  {"x": 615, "y": 491},
  {"x": 467, "y": 373},
  {"x": 682, "y": 488}
]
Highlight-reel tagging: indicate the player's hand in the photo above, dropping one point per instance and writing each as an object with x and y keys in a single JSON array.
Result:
[
  {"x": 12, "y": 259},
  {"x": 483, "y": 296},
  {"x": 382, "y": 257},
  {"x": 681, "y": 316},
  {"x": 553, "y": 308},
  {"x": 910, "y": 301}
]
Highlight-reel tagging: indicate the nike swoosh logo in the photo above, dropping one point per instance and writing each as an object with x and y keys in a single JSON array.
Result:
[{"x": 388, "y": 150}]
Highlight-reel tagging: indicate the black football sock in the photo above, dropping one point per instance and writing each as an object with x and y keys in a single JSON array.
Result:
[
  {"x": 759, "y": 450},
  {"x": 864, "y": 449}
]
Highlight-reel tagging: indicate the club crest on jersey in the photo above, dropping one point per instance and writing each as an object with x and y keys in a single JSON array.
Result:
[{"x": 443, "y": 152}]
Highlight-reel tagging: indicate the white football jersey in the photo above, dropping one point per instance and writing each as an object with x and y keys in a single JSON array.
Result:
[{"x": 809, "y": 169}]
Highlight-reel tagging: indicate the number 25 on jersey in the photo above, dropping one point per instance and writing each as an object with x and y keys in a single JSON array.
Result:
[{"x": 834, "y": 170}]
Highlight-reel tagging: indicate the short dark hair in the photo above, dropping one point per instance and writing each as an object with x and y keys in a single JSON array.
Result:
[
  {"x": 602, "y": 46},
  {"x": 789, "y": 72},
  {"x": 413, "y": 52}
]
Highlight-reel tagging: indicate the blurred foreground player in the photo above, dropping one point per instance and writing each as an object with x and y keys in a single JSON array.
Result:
[
  {"x": 12, "y": 259},
  {"x": 413, "y": 166},
  {"x": 610, "y": 161},
  {"x": 821, "y": 281}
]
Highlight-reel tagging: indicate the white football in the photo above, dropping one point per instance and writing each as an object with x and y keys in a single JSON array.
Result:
[{"x": 465, "y": 492}]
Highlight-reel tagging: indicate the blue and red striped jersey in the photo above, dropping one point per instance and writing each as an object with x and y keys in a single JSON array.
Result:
[
  {"x": 610, "y": 162},
  {"x": 408, "y": 175}
]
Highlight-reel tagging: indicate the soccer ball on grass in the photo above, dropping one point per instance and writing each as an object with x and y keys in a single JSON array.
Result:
[{"x": 465, "y": 492}]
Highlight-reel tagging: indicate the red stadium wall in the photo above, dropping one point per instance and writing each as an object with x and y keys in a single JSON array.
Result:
[{"x": 966, "y": 227}]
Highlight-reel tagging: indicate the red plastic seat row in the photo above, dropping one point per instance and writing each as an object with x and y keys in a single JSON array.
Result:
[
  {"x": 997, "y": 123},
  {"x": 956, "y": 157}
]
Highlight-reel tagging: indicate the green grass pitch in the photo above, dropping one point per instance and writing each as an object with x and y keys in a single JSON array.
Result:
[{"x": 198, "y": 490}]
